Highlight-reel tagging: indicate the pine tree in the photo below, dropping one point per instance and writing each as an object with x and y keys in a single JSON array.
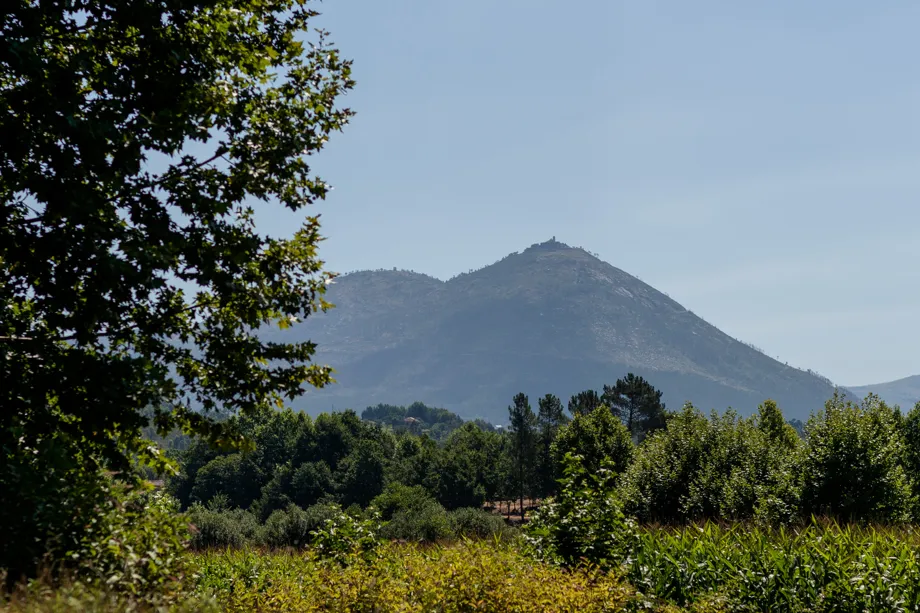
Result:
[
  {"x": 523, "y": 437},
  {"x": 635, "y": 401},
  {"x": 550, "y": 418},
  {"x": 584, "y": 402}
]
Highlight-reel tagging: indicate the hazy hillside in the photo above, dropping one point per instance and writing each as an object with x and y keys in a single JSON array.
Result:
[
  {"x": 904, "y": 392},
  {"x": 550, "y": 319}
]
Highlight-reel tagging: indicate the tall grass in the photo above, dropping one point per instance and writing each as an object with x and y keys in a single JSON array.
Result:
[{"x": 819, "y": 567}]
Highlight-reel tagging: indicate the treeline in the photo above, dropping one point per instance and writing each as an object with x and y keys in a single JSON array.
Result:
[
  {"x": 419, "y": 418},
  {"x": 855, "y": 463},
  {"x": 346, "y": 460},
  {"x": 850, "y": 462}
]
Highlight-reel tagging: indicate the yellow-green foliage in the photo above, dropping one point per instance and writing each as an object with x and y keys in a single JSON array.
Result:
[{"x": 471, "y": 576}]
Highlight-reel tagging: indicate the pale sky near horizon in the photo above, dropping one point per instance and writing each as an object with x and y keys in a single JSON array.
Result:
[{"x": 757, "y": 161}]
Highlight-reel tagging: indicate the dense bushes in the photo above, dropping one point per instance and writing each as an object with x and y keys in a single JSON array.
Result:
[
  {"x": 584, "y": 523},
  {"x": 722, "y": 467},
  {"x": 854, "y": 465},
  {"x": 818, "y": 566},
  {"x": 461, "y": 577},
  {"x": 400, "y": 512},
  {"x": 135, "y": 545},
  {"x": 218, "y": 526},
  {"x": 49, "y": 500},
  {"x": 131, "y": 545},
  {"x": 477, "y": 523}
]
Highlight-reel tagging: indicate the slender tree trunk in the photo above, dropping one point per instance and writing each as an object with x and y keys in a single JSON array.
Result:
[{"x": 521, "y": 477}]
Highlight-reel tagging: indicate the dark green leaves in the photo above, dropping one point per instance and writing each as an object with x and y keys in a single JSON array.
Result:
[{"x": 141, "y": 135}]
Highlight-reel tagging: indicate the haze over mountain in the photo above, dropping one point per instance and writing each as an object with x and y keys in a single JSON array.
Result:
[
  {"x": 903, "y": 392},
  {"x": 550, "y": 319}
]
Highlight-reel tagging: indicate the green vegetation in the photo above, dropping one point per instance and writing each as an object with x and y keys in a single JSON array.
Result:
[
  {"x": 133, "y": 281},
  {"x": 815, "y": 566},
  {"x": 135, "y": 302}
]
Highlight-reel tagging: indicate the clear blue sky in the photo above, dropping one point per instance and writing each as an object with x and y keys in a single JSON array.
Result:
[{"x": 757, "y": 161}]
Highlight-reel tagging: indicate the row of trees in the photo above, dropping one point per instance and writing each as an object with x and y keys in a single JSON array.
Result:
[
  {"x": 854, "y": 462},
  {"x": 536, "y": 444},
  {"x": 348, "y": 460}
]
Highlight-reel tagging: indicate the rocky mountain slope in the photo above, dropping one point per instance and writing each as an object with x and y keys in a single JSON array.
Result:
[
  {"x": 903, "y": 392},
  {"x": 550, "y": 319}
]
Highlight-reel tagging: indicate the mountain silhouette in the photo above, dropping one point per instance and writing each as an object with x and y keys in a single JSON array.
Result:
[
  {"x": 551, "y": 319},
  {"x": 903, "y": 392}
]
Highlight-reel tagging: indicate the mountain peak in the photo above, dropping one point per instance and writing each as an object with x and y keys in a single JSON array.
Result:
[
  {"x": 550, "y": 245},
  {"x": 552, "y": 319}
]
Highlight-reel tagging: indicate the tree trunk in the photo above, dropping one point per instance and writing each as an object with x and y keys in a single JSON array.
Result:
[{"x": 522, "y": 492}]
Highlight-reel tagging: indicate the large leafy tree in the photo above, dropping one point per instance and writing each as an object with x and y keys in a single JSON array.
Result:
[
  {"x": 595, "y": 438},
  {"x": 469, "y": 469},
  {"x": 140, "y": 136},
  {"x": 854, "y": 462}
]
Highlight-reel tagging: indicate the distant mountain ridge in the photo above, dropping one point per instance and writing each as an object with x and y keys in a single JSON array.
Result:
[
  {"x": 551, "y": 319},
  {"x": 903, "y": 392}
]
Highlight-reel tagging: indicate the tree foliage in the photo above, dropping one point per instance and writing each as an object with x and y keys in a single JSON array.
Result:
[
  {"x": 140, "y": 138},
  {"x": 584, "y": 402},
  {"x": 854, "y": 465},
  {"x": 550, "y": 418},
  {"x": 722, "y": 467},
  {"x": 635, "y": 401},
  {"x": 598, "y": 439},
  {"x": 522, "y": 430}
]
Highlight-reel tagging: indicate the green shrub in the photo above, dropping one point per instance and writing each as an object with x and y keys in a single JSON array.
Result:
[
  {"x": 478, "y": 523},
  {"x": 854, "y": 463},
  {"x": 584, "y": 523},
  {"x": 50, "y": 499},
  {"x": 291, "y": 527},
  {"x": 218, "y": 526},
  {"x": 345, "y": 539},
  {"x": 294, "y": 527},
  {"x": 426, "y": 523},
  {"x": 43, "y": 596},
  {"x": 410, "y": 513},
  {"x": 471, "y": 576},
  {"x": 911, "y": 432},
  {"x": 136, "y": 545},
  {"x": 397, "y": 497},
  {"x": 723, "y": 467}
]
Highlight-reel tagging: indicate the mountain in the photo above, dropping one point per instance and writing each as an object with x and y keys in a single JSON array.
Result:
[
  {"x": 552, "y": 319},
  {"x": 903, "y": 392}
]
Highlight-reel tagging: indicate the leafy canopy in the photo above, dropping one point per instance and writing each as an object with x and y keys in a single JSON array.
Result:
[{"x": 141, "y": 135}]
